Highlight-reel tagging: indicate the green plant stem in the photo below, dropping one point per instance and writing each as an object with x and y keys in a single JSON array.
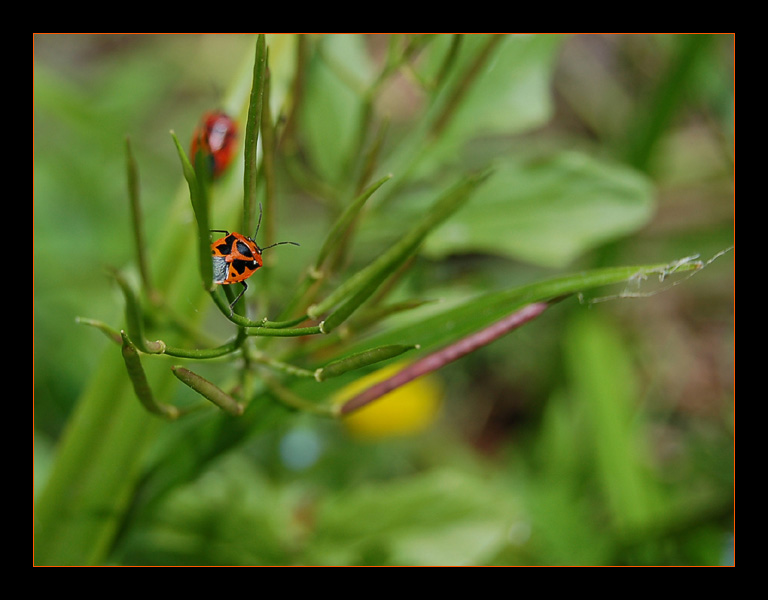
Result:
[
  {"x": 268, "y": 164},
  {"x": 666, "y": 100},
  {"x": 458, "y": 93},
  {"x": 448, "y": 61},
  {"x": 137, "y": 221},
  {"x": 228, "y": 348},
  {"x": 371, "y": 156},
  {"x": 343, "y": 223},
  {"x": 294, "y": 401},
  {"x": 264, "y": 327},
  {"x": 283, "y": 324},
  {"x": 286, "y": 141},
  {"x": 135, "y": 318},
  {"x": 111, "y": 333},
  {"x": 397, "y": 57},
  {"x": 287, "y": 332},
  {"x": 277, "y": 365},
  {"x": 377, "y": 314}
]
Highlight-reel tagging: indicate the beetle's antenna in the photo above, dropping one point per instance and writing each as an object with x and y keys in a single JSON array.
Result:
[
  {"x": 258, "y": 224},
  {"x": 279, "y": 243},
  {"x": 257, "y": 233}
]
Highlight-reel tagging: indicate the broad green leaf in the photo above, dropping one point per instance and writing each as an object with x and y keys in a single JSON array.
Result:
[
  {"x": 443, "y": 517},
  {"x": 233, "y": 515},
  {"x": 546, "y": 211}
]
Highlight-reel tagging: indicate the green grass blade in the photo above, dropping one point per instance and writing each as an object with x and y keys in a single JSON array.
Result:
[
  {"x": 604, "y": 383},
  {"x": 659, "y": 110},
  {"x": 453, "y": 323},
  {"x": 95, "y": 471}
]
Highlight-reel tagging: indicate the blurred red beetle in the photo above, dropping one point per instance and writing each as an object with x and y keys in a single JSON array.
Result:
[{"x": 216, "y": 138}]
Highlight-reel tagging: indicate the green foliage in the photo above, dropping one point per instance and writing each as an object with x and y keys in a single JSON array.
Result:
[
  {"x": 549, "y": 210},
  {"x": 436, "y": 184}
]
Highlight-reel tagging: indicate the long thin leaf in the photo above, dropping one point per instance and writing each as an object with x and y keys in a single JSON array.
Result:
[
  {"x": 134, "y": 197},
  {"x": 361, "y": 285},
  {"x": 451, "y": 324},
  {"x": 345, "y": 219},
  {"x": 252, "y": 128},
  {"x": 199, "y": 196}
]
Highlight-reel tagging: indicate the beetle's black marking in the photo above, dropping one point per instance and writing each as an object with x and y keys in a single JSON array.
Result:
[
  {"x": 225, "y": 247},
  {"x": 244, "y": 249},
  {"x": 241, "y": 266}
]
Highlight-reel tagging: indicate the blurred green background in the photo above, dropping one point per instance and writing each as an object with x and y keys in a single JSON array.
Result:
[{"x": 599, "y": 434}]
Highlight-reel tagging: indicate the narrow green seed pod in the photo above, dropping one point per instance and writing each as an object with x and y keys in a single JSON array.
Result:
[
  {"x": 361, "y": 359},
  {"x": 140, "y": 383},
  {"x": 209, "y": 391}
]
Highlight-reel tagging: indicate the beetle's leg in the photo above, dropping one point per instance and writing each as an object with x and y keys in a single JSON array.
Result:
[{"x": 240, "y": 295}]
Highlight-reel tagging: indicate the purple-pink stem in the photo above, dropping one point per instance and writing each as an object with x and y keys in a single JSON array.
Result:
[{"x": 448, "y": 354}]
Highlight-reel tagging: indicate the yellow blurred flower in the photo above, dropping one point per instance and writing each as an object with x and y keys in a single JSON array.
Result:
[{"x": 409, "y": 409}]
